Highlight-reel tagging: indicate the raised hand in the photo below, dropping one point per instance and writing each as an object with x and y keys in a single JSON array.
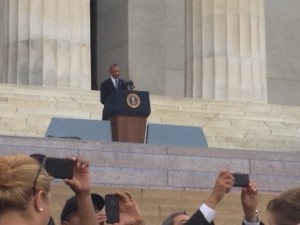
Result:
[
  {"x": 80, "y": 184},
  {"x": 130, "y": 213},
  {"x": 101, "y": 218},
  {"x": 249, "y": 199},
  {"x": 222, "y": 186},
  {"x": 81, "y": 180}
]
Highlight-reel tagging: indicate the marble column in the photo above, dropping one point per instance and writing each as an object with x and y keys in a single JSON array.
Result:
[
  {"x": 226, "y": 50},
  {"x": 45, "y": 42}
]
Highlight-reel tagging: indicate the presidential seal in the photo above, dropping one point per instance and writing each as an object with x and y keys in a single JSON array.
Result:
[{"x": 133, "y": 100}]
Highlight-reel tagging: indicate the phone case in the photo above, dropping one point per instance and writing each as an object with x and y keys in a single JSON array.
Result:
[
  {"x": 241, "y": 180},
  {"x": 112, "y": 209},
  {"x": 59, "y": 168}
]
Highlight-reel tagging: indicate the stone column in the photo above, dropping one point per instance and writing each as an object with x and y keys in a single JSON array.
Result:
[
  {"x": 45, "y": 42},
  {"x": 226, "y": 50}
]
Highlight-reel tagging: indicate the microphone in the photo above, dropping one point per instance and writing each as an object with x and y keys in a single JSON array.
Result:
[{"x": 130, "y": 85}]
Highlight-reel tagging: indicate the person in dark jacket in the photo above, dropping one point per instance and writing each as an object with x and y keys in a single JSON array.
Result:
[{"x": 206, "y": 212}]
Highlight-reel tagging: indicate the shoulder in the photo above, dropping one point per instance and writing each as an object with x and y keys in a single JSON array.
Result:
[
  {"x": 106, "y": 81},
  {"x": 121, "y": 81},
  {"x": 198, "y": 219}
]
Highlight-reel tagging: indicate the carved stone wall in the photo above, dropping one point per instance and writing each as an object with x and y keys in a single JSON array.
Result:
[
  {"x": 45, "y": 42},
  {"x": 226, "y": 51}
]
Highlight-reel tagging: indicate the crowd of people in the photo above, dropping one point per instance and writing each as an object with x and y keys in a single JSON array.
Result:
[{"x": 25, "y": 199}]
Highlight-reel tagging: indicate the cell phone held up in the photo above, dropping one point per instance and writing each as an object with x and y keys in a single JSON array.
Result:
[
  {"x": 59, "y": 168},
  {"x": 112, "y": 208},
  {"x": 241, "y": 179}
]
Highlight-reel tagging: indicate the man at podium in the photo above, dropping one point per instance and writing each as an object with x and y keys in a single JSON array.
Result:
[
  {"x": 125, "y": 108},
  {"x": 112, "y": 84}
]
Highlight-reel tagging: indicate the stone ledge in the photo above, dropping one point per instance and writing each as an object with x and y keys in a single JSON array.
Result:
[{"x": 139, "y": 165}]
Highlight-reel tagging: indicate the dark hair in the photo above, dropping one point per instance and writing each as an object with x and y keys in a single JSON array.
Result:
[
  {"x": 113, "y": 65},
  {"x": 71, "y": 205},
  {"x": 285, "y": 208},
  {"x": 170, "y": 219}
]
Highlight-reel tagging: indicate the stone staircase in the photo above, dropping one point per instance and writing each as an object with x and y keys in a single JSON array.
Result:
[
  {"x": 27, "y": 110},
  {"x": 234, "y": 125}
]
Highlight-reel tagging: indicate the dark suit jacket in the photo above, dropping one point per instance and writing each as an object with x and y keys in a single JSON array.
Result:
[
  {"x": 260, "y": 223},
  {"x": 107, "y": 87},
  {"x": 198, "y": 219}
]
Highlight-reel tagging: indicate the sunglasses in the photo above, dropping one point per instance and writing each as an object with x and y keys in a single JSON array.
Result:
[{"x": 42, "y": 160}]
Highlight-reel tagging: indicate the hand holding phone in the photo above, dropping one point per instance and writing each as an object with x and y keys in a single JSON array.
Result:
[
  {"x": 241, "y": 179},
  {"x": 112, "y": 208}
]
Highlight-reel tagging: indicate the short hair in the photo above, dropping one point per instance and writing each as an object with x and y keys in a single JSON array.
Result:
[
  {"x": 285, "y": 208},
  {"x": 113, "y": 66},
  {"x": 17, "y": 177},
  {"x": 170, "y": 219}
]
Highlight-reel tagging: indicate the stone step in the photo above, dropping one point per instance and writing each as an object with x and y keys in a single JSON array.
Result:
[{"x": 225, "y": 124}]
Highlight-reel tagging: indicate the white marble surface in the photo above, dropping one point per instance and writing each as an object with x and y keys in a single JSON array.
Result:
[
  {"x": 156, "y": 37},
  {"x": 228, "y": 39},
  {"x": 47, "y": 43},
  {"x": 112, "y": 31},
  {"x": 283, "y": 55}
]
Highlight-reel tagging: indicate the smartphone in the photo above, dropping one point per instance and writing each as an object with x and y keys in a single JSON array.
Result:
[
  {"x": 112, "y": 208},
  {"x": 59, "y": 168},
  {"x": 241, "y": 179}
]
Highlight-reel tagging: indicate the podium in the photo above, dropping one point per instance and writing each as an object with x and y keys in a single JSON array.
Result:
[{"x": 128, "y": 112}]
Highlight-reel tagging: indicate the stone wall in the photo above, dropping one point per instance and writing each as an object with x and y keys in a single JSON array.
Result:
[
  {"x": 283, "y": 55},
  {"x": 188, "y": 48},
  {"x": 152, "y": 41},
  {"x": 45, "y": 43}
]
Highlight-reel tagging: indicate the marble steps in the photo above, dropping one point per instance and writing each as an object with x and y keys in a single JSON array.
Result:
[
  {"x": 212, "y": 110},
  {"x": 179, "y": 104},
  {"x": 266, "y": 144},
  {"x": 32, "y": 93},
  {"x": 202, "y": 113},
  {"x": 27, "y": 110}
]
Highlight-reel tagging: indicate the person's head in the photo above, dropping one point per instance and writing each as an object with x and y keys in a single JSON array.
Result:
[
  {"x": 69, "y": 214},
  {"x": 24, "y": 189},
  {"x": 114, "y": 70},
  {"x": 285, "y": 208},
  {"x": 177, "y": 218}
]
